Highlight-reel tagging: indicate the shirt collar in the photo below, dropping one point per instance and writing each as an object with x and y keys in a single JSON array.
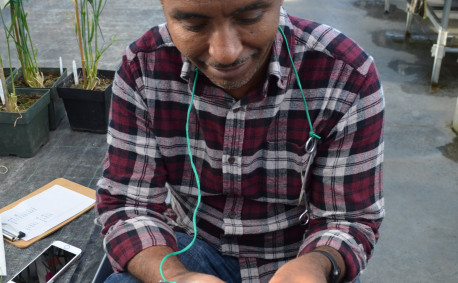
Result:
[{"x": 279, "y": 66}]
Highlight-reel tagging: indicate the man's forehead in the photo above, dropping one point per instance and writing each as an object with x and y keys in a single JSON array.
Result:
[{"x": 201, "y": 2}]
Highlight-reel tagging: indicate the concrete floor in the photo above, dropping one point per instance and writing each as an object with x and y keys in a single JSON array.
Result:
[{"x": 419, "y": 235}]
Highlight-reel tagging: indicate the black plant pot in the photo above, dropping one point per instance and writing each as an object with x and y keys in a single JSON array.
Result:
[
  {"x": 31, "y": 130},
  {"x": 87, "y": 110},
  {"x": 56, "y": 109}
]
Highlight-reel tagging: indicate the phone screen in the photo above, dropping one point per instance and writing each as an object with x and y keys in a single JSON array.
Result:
[{"x": 44, "y": 267}]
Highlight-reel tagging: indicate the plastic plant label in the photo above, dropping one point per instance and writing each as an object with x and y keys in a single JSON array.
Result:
[
  {"x": 61, "y": 68},
  {"x": 2, "y": 95},
  {"x": 75, "y": 73}
]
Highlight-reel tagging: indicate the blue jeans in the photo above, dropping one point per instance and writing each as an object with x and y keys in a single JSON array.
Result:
[{"x": 199, "y": 258}]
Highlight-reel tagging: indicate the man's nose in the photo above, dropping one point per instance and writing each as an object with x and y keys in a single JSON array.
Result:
[{"x": 225, "y": 45}]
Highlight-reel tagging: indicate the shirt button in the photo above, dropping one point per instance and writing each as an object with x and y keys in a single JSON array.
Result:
[
  {"x": 231, "y": 160},
  {"x": 231, "y": 215}
]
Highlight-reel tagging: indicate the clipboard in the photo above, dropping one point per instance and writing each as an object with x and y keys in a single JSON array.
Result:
[{"x": 64, "y": 183}]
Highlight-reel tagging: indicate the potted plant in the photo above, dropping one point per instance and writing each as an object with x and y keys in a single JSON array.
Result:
[
  {"x": 87, "y": 94},
  {"x": 29, "y": 75},
  {"x": 23, "y": 118},
  {"x": 52, "y": 77}
]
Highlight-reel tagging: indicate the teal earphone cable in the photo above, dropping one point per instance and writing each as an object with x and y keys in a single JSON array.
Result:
[
  {"x": 199, "y": 196},
  {"x": 312, "y": 133}
]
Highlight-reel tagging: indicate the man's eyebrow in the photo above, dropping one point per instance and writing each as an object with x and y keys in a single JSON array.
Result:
[
  {"x": 261, "y": 4},
  {"x": 182, "y": 15}
]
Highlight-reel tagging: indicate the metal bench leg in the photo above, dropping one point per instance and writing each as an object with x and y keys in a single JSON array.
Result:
[
  {"x": 387, "y": 6},
  {"x": 438, "y": 52},
  {"x": 408, "y": 20},
  {"x": 438, "y": 49},
  {"x": 455, "y": 117}
]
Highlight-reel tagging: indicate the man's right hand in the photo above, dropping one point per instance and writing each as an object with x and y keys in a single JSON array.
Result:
[{"x": 145, "y": 267}]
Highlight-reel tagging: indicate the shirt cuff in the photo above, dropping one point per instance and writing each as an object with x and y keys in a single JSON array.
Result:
[
  {"x": 353, "y": 253},
  {"x": 127, "y": 238}
]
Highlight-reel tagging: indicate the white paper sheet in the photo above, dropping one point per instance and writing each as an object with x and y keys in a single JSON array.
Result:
[
  {"x": 2, "y": 253},
  {"x": 42, "y": 212}
]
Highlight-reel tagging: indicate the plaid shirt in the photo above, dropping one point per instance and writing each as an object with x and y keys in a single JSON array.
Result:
[{"x": 249, "y": 154}]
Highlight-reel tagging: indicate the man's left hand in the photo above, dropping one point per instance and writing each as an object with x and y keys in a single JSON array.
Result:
[{"x": 309, "y": 268}]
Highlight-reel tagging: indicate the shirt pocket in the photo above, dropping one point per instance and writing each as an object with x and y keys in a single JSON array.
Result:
[{"x": 278, "y": 177}]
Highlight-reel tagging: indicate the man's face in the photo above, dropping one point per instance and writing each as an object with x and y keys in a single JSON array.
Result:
[{"x": 228, "y": 40}]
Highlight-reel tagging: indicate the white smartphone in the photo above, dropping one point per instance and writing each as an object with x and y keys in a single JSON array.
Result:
[{"x": 49, "y": 265}]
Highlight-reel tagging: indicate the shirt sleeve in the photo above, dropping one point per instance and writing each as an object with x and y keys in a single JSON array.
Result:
[
  {"x": 131, "y": 194},
  {"x": 347, "y": 204}
]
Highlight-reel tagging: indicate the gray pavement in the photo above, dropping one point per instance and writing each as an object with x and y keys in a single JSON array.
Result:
[{"x": 419, "y": 235}]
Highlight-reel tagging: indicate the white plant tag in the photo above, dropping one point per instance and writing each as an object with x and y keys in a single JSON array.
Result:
[
  {"x": 2, "y": 95},
  {"x": 75, "y": 73},
  {"x": 61, "y": 67}
]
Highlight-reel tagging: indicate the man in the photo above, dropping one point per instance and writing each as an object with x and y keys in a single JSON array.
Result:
[{"x": 248, "y": 129}]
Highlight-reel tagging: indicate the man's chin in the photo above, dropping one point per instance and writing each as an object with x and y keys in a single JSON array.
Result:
[
  {"x": 235, "y": 83},
  {"x": 230, "y": 85}
]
